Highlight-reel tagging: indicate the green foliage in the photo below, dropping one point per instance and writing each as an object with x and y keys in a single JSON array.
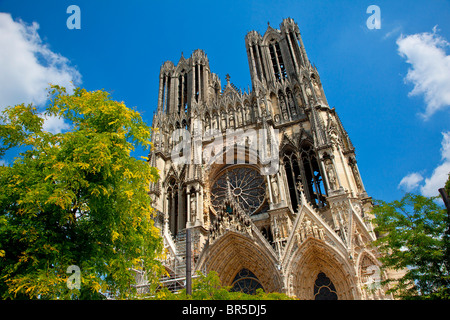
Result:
[
  {"x": 75, "y": 198},
  {"x": 209, "y": 287},
  {"x": 412, "y": 238}
]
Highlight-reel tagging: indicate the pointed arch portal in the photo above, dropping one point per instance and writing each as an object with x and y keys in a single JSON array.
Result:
[
  {"x": 242, "y": 263},
  {"x": 321, "y": 273}
]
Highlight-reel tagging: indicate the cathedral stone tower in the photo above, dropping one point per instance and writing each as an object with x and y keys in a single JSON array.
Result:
[{"x": 266, "y": 181}]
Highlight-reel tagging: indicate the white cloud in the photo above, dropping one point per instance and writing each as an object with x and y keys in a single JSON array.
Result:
[
  {"x": 54, "y": 124},
  {"x": 437, "y": 179},
  {"x": 410, "y": 182},
  {"x": 430, "y": 68},
  {"x": 27, "y": 65},
  {"x": 392, "y": 32},
  {"x": 440, "y": 173}
]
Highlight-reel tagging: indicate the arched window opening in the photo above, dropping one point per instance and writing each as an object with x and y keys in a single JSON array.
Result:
[
  {"x": 313, "y": 182},
  {"x": 293, "y": 177},
  {"x": 176, "y": 207},
  {"x": 197, "y": 84},
  {"x": 245, "y": 281},
  {"x": 324, "y": 288},
  {"x": 172, "y": 208},
  {"x": 185, "y": 100},
  {"x": 182, "y": 92},
  {"x": 166, "y": 93},
  {"x": 280, "y": 60},
  {"x": 273, "y": 58},
  {"x": 262, "y": 64}
]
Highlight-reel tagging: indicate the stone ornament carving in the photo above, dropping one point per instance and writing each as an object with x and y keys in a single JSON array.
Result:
[
  {"x": 230, "y": 218},
  {"x": 193, "y": 206},
  {"x": 309, "y": 229},
  {"x": 331, "y": 175},
  {"x": 275, "y": 190}
]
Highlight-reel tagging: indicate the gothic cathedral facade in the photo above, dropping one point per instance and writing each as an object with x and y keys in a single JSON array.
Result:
[{"x": 266, "y": 180}]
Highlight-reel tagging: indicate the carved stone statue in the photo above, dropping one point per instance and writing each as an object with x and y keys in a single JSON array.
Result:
[
  {"x": 193, "y": 207},
  {"x": 239, "y": 117},
  {"x": 331, "y": 176},
  {"x": 308, "y": 92},
  {"x": 356, "y": 176},
  {"x": 231, "y": 122},
  {"x": 224, "y": 121},
  {"x": 248, "y": 117},
  {"x": 275, "y": 190},
  {"x": 317, "y": 90},
  {"x": 334, "y": 138},
  {"x": 292, "y": 105}
]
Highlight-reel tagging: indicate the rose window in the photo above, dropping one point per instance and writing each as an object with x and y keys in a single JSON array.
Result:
[{"x": 245, "y": 185}]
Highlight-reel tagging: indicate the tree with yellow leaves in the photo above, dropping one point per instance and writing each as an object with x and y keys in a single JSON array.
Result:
[{"x": 76, "y": 198}]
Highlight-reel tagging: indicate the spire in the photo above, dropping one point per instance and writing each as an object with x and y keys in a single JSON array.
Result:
[{"x": 228, "y": 79}]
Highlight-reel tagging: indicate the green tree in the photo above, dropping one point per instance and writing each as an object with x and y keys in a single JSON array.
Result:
[
  {"x": 76, "y": 198},
  {"x": 411, "y": 237},
  {"x": 209, "y": 287}
]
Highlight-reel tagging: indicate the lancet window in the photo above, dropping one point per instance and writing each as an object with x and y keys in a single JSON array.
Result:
[
  {"x": 312, "y": 178},
  {"x": 182, "y": 92},
  {"x": 292, "y": 171}
]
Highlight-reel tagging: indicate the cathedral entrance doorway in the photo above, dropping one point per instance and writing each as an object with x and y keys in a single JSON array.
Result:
[{"x": 242, "y": 263}]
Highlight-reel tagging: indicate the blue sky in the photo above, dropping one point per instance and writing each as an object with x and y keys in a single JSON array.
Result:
[{"x": 122, "y": 44}]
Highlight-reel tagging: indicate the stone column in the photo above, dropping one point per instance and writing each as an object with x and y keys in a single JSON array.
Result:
[
  {"x": 324, "y": 170},
  {"x": 258, "y": 60},
  {"x": 193, "y": 83},
  {"x": 281, "y": 186},
  {"x": 166, "y": 213},
  {"x": 173, "y": 222},
  {"x": 345, "y": 169},
  {"x": 270, "y": 189},
  {"x": 180, "y": 210},
  {"x": 188, "y": 196},
  {"x": 160, "y": 104},
  {"x": 200, "y": 205},
  {"x": 197, "y": 207},
  {"x": 252, "y": 58}
]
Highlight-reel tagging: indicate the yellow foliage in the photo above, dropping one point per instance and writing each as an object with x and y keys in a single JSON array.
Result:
[
  {"x": 114, "y": 235},
  {"x": 83, "y": 165},
  {"x": 129, "y": 194}
]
